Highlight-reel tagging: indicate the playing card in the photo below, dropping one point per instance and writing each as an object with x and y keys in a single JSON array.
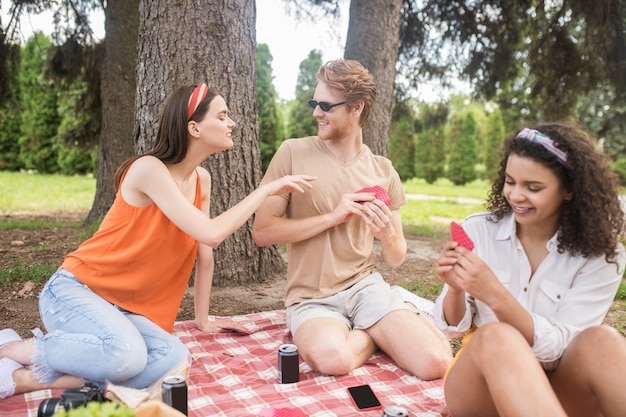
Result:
[
  {"x": 381, "y": 194},
  {"x": 457, "y": 234}
]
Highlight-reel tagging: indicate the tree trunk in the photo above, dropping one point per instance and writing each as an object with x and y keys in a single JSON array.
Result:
[
  {"x": 373, "y": 40},
  {"x": 117, "y": 90},
  {"x": 212, "y": 42}
]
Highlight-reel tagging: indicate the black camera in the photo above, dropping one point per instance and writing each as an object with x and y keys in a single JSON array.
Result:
[{"x": 71, "y": 398}]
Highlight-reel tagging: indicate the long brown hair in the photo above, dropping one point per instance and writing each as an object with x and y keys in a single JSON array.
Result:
[{"x": 171, "y": 141}]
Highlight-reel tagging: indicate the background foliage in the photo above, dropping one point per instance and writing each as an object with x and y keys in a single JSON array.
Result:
[{"x": 526, "y": 61}]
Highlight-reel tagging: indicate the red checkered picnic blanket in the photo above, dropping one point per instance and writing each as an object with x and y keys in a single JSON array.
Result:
[{"x": 235, "y": 375}]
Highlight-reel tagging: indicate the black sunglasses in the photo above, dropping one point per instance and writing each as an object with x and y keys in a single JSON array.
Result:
[{"x": 323, "y": 105}]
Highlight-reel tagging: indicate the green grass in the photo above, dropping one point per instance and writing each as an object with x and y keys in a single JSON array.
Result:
[
  {"x": 37, "y": 192},
  {"x": 22, "y": 192},
  {"x": 429, "y": 214},
  {"x": 33, "y": 192},
  {"x": 22, "y": 272},
  {"x": 423, "y": 289},
  {"x": 443, "y": 187},
  {"x": 29, "y": 224}
]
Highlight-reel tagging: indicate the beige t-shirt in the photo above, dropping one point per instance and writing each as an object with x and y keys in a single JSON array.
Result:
[{"x": 338, "y": 257}]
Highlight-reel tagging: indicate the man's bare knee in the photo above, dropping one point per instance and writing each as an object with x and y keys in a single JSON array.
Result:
[{"x": 330, "y": 361}]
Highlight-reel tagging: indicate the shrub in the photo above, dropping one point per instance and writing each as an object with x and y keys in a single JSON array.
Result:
[{"x": 619, "y": 167}]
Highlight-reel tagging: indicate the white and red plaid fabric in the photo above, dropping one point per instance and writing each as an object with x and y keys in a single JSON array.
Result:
[{"x": 235, "y": 375}]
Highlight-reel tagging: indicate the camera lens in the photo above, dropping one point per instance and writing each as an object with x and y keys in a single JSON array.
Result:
[{"x": 49, "y": 407}]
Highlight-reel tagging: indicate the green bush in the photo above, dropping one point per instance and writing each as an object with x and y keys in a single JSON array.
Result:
[
  {"x": 461, "y": 166},
  {"x": 619, "y": 167},
  {"x": 73, "y": 161}
]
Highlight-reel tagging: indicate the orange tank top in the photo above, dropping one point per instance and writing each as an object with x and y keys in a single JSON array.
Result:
[{"x": 138, "y": 260}]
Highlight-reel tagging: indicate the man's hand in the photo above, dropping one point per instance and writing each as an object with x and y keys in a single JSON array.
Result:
[
  {"x": 349, "y": 205},
  {"x": 380, "y": 193},
  {"x": 377, "y": 215}
]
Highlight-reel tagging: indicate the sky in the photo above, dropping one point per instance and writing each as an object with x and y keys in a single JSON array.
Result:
[{"x": 289, "y": 41}]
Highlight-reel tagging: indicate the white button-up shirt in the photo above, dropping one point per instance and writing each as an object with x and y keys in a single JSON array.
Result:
[{"x": 567, "y": 293}]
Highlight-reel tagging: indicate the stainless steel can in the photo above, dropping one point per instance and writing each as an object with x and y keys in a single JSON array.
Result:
[
  {"x": 288, "y": 364},
  {"x": 174, "y": 393},
  {"x": 394, "y": 411}
]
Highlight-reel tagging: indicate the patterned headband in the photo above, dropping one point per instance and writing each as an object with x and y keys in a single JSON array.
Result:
[
  {"x": 538, "y": 137},
  {"x": 199, "y": 93}
]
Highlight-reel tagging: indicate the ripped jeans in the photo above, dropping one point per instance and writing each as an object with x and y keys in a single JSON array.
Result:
[{"x": 93, "y": 339}]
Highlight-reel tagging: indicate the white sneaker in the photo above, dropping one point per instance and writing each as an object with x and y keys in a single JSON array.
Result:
[{"x": 423, "y": 305}]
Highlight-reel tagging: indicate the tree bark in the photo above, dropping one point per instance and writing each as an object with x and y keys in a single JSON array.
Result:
[
  {"x": 117, "y": 91},
  {"x": 373, "y": 40},
  {"x": 212, "y": 42}
]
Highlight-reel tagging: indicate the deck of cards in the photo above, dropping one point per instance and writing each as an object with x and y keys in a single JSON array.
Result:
[
  {"x": 380, "y": 192},
  {"x": 457, "y": 234}
]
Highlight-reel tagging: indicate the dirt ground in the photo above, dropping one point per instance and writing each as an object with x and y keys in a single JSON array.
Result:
[
  {"x": 21, "y": 247},
  {"x": 19, "y": 310}
]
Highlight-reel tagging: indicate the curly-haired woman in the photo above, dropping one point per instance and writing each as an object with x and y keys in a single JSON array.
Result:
[{"x": 532, "y": 295}]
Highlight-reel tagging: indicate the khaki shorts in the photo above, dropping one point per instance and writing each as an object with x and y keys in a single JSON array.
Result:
[{"x": 359, "y": 306}]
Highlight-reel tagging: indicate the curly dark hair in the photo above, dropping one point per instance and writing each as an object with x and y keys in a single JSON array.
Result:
[{"x": 592, "y": 222}]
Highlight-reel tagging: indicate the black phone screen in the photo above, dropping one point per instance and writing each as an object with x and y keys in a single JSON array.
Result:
[{"x": 364, "y": 398}]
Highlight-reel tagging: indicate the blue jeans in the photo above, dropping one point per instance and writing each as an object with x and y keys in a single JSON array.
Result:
[{"x": 93, "y": 339}]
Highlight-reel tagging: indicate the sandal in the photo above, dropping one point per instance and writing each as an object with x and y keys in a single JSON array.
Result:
[{"x": 7, "y": 384}]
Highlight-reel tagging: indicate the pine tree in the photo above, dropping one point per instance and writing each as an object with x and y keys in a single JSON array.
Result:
[
  {"x": 10, "y": 121},
  {"x": 430, "y": 159},
  {"x": 301, "y": 122},
  {"x": 402, "y": 142},
  {"x": 493, "y": 146},
  {"x": 463, "y": 157},
  {"x": 271, "y": 125},
  {"x": 430, "y": 149},
  {"x": 39, "y": 118}
]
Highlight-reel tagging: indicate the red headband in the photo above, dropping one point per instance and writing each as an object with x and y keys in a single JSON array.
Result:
[{"x": 199, "y": 93}]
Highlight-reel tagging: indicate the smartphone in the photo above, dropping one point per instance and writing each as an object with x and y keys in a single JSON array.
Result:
[{"x": 364, "y": 398}]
